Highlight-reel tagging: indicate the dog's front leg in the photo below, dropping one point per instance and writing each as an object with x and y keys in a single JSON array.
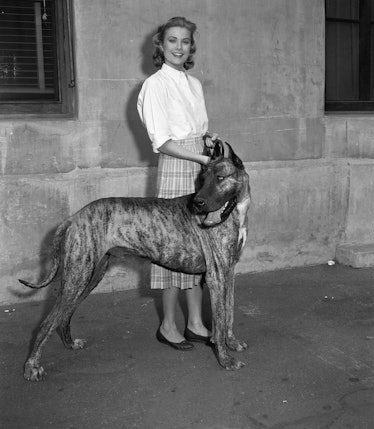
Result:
[
  {"x": 231, "y": 341},
  {"x": 217, "y": 298}
]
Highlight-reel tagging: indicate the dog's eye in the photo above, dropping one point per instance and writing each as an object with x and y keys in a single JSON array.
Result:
[{"x": 220, "y": 178}]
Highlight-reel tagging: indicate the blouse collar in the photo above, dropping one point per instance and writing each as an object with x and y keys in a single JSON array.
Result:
[{"x": 177, "y": 75}]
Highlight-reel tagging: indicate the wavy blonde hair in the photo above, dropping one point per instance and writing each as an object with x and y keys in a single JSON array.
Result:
[{"x": 158, "y": 40}]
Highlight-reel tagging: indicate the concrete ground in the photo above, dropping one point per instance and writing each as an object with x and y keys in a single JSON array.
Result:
[{"x": 310, "y": 361}]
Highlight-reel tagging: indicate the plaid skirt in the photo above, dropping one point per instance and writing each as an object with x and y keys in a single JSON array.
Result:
[{"x": 176, "y": 177}]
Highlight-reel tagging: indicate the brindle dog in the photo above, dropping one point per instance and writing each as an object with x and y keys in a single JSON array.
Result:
[{"x": 198, "y": 233}]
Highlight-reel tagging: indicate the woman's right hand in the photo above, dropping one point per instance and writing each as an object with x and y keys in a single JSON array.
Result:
[{"x": 209, "y": 139}]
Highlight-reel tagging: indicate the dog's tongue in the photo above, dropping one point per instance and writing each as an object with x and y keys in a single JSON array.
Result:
[{"x": 213, "y": 218}]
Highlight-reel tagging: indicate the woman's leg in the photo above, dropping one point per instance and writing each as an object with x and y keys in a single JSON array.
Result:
[
  {"x": 168, "y": 326},
  {"x": 194, "y": 304}
]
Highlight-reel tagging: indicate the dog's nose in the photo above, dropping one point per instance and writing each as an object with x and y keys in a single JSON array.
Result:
[{"x": 199, "y": 203}]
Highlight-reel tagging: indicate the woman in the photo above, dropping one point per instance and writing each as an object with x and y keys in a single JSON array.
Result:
[{"x": 171, "y": 105}]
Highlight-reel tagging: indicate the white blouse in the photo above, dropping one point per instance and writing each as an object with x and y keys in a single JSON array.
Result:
[{"x": 171, "y": 105}]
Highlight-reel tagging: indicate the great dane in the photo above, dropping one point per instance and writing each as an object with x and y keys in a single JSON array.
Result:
[{"x": 198, "y": 233}]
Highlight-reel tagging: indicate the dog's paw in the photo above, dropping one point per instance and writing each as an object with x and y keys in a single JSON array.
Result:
[
  {"x": 33, "y": 372},
  {"x": 78, "y": 344},
  {"x": 231, "y": 363},
  {"x": 236, "y": 345}
]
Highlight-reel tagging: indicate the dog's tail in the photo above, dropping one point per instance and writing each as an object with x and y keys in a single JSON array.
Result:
[{"x": 57, "y": 239}]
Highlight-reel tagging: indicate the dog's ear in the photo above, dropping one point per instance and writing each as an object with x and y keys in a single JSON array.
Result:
[
  {"x": 218, "y": 150},
  {"x": 234, "y": 158}
]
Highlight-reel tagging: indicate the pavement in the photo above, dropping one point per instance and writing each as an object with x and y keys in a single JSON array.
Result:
[{"x": 310, "y": 360}]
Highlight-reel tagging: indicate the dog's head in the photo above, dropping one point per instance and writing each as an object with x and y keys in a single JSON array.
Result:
[{"x": 223, "y": 183}]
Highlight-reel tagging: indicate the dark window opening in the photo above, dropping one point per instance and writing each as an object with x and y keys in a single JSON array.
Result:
[
  {"x": 349, "y": 55},
  {"x": 36, "y": 58}
]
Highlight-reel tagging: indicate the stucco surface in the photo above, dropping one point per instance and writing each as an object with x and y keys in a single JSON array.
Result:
[{"x": 262, "y": 68}]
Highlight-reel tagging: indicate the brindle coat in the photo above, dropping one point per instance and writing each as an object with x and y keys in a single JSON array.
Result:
[{"x": 182, "y": 234}]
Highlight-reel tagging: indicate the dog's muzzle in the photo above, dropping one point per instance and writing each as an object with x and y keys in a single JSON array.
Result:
[{"x": 214, "y": 217}]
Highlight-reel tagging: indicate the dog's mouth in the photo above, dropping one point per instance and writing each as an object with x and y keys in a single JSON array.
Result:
[{"x": 218, "y": 216}]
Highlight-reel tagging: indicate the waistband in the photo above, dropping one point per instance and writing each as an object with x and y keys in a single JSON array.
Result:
[{"x": 189, "y": 140}]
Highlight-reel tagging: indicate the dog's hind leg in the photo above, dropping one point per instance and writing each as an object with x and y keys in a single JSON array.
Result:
[
  {"x": 33, "y": 371},
  {"x": 73, "y": 284},
  {"x": 64, "y": 327}
]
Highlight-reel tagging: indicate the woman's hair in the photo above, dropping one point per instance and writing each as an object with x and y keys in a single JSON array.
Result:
[{"x": 158, "y": 40}]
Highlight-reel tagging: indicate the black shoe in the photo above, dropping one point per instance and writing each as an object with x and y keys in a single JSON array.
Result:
[
  {"x": 191, "y": 336},
  {"x": 182, "y": 346}
]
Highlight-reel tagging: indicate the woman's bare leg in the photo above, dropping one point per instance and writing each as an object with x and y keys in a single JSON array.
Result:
[
  {"x": 194, "y": 305},
  {"x": 168, "y": 326}
]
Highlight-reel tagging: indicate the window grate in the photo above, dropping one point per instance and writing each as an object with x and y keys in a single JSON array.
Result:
[
  {"x": 36, "y": 58},
  {"x": 27, "y": 56},
  {"x": 349, "y": 55}
]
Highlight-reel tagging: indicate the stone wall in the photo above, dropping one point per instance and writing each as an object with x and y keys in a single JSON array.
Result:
[{"x": 262, "y": 68}]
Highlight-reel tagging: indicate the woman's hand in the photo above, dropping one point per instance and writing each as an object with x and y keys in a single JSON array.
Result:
[{"x": 210, "y": 138}]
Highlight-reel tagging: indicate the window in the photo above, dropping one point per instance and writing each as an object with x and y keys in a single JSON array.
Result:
[
  {"x": 349, "y": 55},
  {"x": 36, "y": 58}
]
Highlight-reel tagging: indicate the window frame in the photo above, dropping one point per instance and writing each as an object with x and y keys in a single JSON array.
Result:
[
  {"x": 366, "y": 23},
  {"x": 65, "y": 106}
]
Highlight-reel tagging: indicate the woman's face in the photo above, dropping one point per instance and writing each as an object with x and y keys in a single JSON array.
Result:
[{"x": 176, "y": 46}]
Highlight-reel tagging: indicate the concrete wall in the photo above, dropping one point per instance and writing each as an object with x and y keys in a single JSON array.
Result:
[
  {"x": 262, "y": 67},
  {"x": 351, "y": 137}
]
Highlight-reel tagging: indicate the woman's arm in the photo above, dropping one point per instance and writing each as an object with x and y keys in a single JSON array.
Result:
[{"x": 172, "y": 149}]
